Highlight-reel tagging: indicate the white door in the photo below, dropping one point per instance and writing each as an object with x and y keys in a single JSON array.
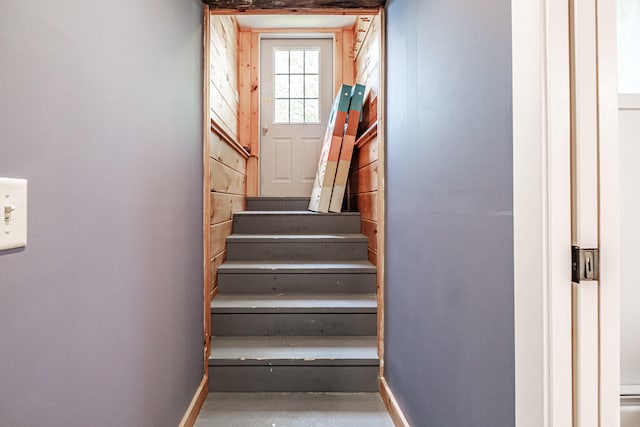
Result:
[
  {"x": 629, "y": 116},
  {"x": 296, "y": 80},
  {"x": 595, "y": 220}
]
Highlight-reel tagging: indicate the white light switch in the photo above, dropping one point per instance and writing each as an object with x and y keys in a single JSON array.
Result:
[{"x": 13, "y": 211}]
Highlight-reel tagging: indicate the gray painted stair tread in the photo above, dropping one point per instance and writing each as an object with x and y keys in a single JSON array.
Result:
[
  {"x": 276, "y": 198},
  {"x": 296, "y": 267},
  {"x": 294, "y": 303},
  {"x": 294, "y": 351},
  {"x": 295, "y": 238},
  {"x": 293, "y": 213},
  {"x": 294, "y": 409}
]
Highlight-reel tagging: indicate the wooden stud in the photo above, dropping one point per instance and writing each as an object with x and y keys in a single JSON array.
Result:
[
  {"x": 253, "y": 167},
  {"x": 244, "y": 87},
  {"x": 348, "y": 74},
  {"x": 338, "y": 54}
]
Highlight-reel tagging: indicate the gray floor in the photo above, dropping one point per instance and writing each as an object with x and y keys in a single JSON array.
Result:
[{"x": 294, "y": 410}]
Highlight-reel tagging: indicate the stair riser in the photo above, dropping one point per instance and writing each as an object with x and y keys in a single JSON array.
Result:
[
  {"x": 256, "y": 283},
  {"x": 296, "y": 224},
  {"x": 294, "y": 324},
  {"x": 293, "y": 378},
  {"x": 240, "y": 251},
  {"x": 277, "y": 204}
]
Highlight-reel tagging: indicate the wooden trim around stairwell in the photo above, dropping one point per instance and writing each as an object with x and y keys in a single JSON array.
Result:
[
  {"x": 380, "y": 127},
  {"x": 206, "y": 187},
  {"x": 190, "y": 416},
  {"x": 392, "y": 405},
  {"x": 363, "y": 11}
]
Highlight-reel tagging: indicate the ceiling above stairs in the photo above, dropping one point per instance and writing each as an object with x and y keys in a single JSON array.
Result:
[
  {"x": 296, "y": 21},
  {"x": 257, "y": 5}
]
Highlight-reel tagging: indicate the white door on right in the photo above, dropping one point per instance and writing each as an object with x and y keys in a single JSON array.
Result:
[
  {"x": 629, "y": 116},
  {"x": 296, "y": 81}
]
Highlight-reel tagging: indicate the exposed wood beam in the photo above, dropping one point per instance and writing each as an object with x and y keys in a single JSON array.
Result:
[{"x": 292, "y": 5}]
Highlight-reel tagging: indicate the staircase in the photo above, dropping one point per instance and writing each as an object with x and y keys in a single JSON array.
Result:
[{"x": 296, "y": 306}]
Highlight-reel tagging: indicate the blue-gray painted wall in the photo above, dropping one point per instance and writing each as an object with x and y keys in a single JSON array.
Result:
[
  {"x": 449, "y": 346},
  {"x": 100, "y": 109}
]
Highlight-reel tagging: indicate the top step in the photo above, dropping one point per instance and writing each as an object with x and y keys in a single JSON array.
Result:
[{"x": 277, "y": 203}]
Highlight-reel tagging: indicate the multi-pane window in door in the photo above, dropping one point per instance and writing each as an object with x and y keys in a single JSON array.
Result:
[{"x": 297, "y": 85}]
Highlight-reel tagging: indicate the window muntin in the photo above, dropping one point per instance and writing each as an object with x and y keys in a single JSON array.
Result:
[{"x": 297, "y": 85}]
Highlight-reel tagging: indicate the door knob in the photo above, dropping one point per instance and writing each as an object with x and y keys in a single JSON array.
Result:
[{"x": 265, "y": 129}]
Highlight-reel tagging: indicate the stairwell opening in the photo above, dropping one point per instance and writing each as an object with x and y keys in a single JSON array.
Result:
[{"x": 258, "y": 249}]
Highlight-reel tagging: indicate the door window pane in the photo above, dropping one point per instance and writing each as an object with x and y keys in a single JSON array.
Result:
[
  {"x": 282, "y": 86},
  {"x": 628, "y": 47},
  {"x": 296, "y": 61},
  {"x": 312, "y": 86},
  {"x": 311, "y": 61},
  {"x": 282, "y": 111},
  {"x": 282, "y": 62},
  {"x": 297, "y": 111},
  {"x": 311, "y": 111},
  {"x": 296, "y": 85}
]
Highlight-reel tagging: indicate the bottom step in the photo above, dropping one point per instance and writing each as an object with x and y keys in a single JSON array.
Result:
[
  {"x": 276, "y": 364},
  {"x": 293, "y": 378}
]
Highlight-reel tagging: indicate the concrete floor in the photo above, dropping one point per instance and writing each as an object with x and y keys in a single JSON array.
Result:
[{"x": 294, "y": 410}]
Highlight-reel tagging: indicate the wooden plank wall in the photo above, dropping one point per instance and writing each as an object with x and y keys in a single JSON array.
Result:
[
  {"x": 367, "y": 64},
  {"x": 363, "y": 185},
  {"x": 227, "y": 158},
  {"x": 224, "y": 95}
]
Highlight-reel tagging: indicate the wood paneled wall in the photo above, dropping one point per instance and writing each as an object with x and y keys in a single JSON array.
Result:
[
  {"x": 363, "y": 187},
  {"x": 227, "y": 158},
  {"x": 224, "y": 95},
  {"x": 363, "y": 181},
  {"x": 367, "y": 65}
]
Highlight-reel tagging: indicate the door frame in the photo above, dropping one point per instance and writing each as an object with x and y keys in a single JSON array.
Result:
[
  {"x": 251, "y": 134},
  {"x": 339, "y": 46},
  {"x": 320, "y": 33},
  {"x": 542, "y": 212}
]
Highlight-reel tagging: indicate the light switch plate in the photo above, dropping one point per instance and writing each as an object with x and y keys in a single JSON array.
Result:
[{"x": 13, "y": 213}]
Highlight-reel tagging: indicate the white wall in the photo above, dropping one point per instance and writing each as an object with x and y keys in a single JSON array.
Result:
[
  {"x": 629, "y": 46},
  {"x": 630, "y": 252}
]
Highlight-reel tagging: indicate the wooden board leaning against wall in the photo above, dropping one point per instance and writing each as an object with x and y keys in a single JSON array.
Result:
[{"x": 227, "y": 158}]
